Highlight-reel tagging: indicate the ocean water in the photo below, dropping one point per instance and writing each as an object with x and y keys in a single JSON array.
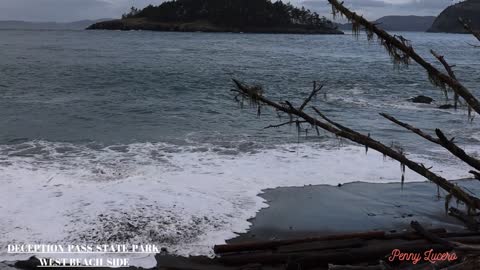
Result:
[{"x": 134, "y": 137}]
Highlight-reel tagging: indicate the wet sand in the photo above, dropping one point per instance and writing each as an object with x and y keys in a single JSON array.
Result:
[{"x": 353, "y": 207}]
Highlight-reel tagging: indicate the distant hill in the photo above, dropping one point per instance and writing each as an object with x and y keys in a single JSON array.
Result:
[
  {"x": 23, "y": 25},
  {"x": 401, "y": 23},
  {"x": 250, "y": 16},
  {"x": 447, "y": 21},
  {"x": 406, "y": 23}
]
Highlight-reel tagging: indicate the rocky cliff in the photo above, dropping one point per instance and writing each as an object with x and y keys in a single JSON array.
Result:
[{"x": 448, "y": 22}]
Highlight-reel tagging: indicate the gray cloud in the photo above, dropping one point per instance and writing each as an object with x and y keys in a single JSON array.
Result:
[
  {"x": 66, "y": 10},
  {"x": 70, "y": 10},
  {"x": 427, "y": 4}
]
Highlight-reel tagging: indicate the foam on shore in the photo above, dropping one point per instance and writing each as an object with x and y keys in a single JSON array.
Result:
[{"x": 183, "y": 198}]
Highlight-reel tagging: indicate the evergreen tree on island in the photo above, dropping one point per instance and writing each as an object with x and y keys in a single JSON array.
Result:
[{"x": 222, "y": 15}]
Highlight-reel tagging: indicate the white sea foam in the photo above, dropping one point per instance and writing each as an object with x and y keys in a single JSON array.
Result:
[{"x": 184, "y": 198}]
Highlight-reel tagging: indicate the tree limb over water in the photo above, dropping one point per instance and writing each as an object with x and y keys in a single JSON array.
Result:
[
  {"x": 255, "y": 96},
  {"x": 401, "y": 52}
]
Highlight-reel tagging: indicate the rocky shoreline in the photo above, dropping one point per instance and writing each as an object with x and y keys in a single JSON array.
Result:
[{"x": 202, "y": 26}]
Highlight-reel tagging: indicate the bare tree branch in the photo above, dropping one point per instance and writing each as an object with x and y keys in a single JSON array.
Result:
[
  {"x": 469, "y": 29},
  {"x": 401, "y": 51},
  {"x": 442, "y": 141},
  {"x": 475, "y": 174},
  {"x": 312, "y": 94},
  {"x": 449, "y": 70},
  {"x": 442, "y": 60},
  {"x": 457, "y": 151},
  {"x": 344, "y": 132},
  {"x": 411, "y": 128},
  {"x": 334, "y": 123},
  {"x": 286, "y": 123}
]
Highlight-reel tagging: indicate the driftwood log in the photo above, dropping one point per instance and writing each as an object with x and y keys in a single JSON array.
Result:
[
  {"x": 261, "y": 245},
  {"x": 359, "y": 252},
  {"x": 276, "y": 244},
  {"x": 342, "y": 256},
  {"x": 469, "y": 221}
]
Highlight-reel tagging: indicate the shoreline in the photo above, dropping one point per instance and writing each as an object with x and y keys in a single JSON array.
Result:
[
  {"x": 204, "y": 26},
  {"x": 320, "y": 210},
  {"x": 357, "y": 206}
]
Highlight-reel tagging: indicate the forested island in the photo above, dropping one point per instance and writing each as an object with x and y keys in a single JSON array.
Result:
[
  {"x": 447, "y": 21},
  {"x": 249, "y": 16}
]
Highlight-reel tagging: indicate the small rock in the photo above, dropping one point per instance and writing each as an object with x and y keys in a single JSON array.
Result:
[
  {"x": 446, "y": 106},
  {"x": 31, "y": 263},
  {"x": 421, "y": 99}
]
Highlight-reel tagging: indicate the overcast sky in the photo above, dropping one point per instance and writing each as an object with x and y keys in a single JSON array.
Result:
[{"x": 72, "y": 10}]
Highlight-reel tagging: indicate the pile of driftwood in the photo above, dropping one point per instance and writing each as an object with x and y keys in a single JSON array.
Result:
[
  {"x": 433, "y": 249},
  {"x": 417, "y": 249}
]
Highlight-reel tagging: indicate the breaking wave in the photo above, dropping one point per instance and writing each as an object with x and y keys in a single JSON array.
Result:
[{"x": 185, "y": 198}]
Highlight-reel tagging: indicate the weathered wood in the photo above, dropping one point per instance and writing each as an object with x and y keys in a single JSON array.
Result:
[
  {"x": 460, "y": 234},
  {"x": 469, "y": 264},
  {"x": 469, "y": 221},
  {"x": 263, "y": 245},
  {"x": 343, "y": 257},
  {"x": 430, "y": 236},
  {"x": 321, "y": 245},
  {"x": 353, "y": 267},
  {"x": 370, "y": 252},
  {"x": 451, "y": 243},
  {"x": 414, "y": 235},
  {"x": 464, "y": 239}
]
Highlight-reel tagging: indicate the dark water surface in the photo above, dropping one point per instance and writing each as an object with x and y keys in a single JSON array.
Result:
[{"x": 124, "y": 87}]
